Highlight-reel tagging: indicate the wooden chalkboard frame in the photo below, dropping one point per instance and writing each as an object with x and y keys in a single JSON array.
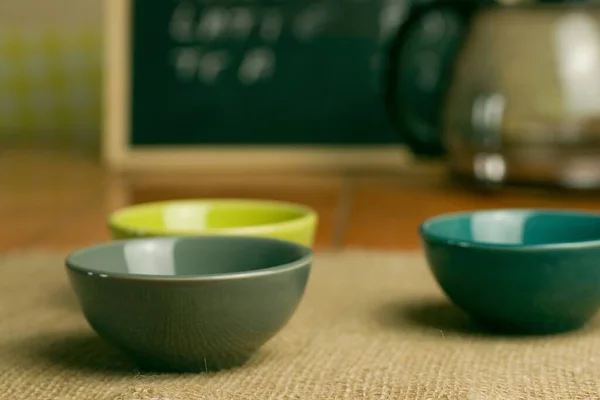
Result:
[{"x": 119, "y": 155}]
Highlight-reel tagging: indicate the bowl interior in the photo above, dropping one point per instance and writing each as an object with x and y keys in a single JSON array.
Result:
[
  {"x": 515, "y": 227},
  {"x": 189, "y": 256},
  {"x": 189, "y": 216}
]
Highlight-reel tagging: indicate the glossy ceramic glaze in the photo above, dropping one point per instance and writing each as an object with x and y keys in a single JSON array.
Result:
[
  {"x": 261, "y": 218},
  {"x": 521, "y": 271},
  {"x": 190, "y": 303}
]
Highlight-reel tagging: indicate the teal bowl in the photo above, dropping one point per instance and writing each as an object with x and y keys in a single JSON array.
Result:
[{"x": 518, "y": 271}]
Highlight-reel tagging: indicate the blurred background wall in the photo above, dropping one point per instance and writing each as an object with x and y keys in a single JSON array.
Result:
[{"x": 50, "y": 73}]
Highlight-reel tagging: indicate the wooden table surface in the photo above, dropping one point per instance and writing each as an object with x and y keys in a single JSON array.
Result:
[{"x": 60, "y": 201}]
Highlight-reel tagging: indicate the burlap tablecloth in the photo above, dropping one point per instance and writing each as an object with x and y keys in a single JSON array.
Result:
[{"x": 372, "y": 326}]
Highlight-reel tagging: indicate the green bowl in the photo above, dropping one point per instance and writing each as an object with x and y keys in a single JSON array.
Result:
[
  {"x": 190, "y": 304},
  {"x": 518, "y": 271},
  {"x": 261, "y": 218}
]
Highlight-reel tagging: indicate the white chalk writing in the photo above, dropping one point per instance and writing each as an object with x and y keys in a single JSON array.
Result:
[
  {"x": 258, "y": 64},
  {"x": 310, "y": 21},
  {"x": 181, "y": 26},
  {"x": 211, "y": 65},
  {"x": 241, "y": 22},
  {"x": 186, "y": 62},
  {"x": 272, "y": 22},
  {"x": 213, "y": 24}
]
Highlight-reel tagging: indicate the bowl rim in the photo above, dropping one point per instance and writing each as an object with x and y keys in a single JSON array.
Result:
[
  {"x": 429, "y": 236},
  {"x": 307, "y": 214},
  {"x": 304, "y": 260}
]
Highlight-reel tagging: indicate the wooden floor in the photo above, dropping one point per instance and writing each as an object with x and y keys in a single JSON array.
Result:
[{"x": 60, "y": 201}]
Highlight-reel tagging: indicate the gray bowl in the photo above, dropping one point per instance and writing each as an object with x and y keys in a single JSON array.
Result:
[{"x": 190, "y": 303}]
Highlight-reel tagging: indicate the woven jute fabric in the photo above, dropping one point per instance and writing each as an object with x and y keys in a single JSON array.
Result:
[{"x": 371, "y": 326}]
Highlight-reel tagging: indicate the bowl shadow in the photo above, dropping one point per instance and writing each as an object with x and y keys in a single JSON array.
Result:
[
  {"x": 86, "y": 351},
  {"x": 79, "y": 351},
  {"x": 441, "y": 318},
  {"x": 435, "y": 315}
]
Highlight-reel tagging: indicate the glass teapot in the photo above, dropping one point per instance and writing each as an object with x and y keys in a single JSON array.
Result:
[{"x": 516, "y": 99}]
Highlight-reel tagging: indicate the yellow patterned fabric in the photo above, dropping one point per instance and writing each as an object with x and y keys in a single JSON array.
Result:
[{"x": 50, "y": 83}]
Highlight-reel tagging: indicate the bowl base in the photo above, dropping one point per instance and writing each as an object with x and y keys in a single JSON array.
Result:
[
  {"x": 527, "y": 329},
  {"x": 151, "y": 364}
]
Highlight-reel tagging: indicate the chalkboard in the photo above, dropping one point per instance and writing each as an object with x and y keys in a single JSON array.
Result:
[{"x": 275, "y": 72}]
